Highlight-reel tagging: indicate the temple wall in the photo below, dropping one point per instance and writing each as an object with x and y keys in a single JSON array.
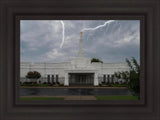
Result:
[{"x": 46, "y": 69}]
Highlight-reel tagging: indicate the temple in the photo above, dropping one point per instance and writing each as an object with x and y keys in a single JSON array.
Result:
[{"x": 78, "y": 71}]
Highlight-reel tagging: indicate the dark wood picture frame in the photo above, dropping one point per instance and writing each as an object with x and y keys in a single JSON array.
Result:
[{"x": 148, "y": 12}]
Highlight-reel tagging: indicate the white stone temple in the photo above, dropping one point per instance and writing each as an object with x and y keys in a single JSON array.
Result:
[{"x": 79, "y": 71}]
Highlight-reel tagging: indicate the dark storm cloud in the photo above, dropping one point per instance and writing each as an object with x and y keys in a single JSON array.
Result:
[{"x": 40, "y": 40}]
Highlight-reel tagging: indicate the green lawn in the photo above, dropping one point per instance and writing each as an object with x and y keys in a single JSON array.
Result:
[
  {"x": 117, "y": 97},
  {"x": 119, "y": 85},
  {"x": 41, "y": 98},
  {"x": 113, "y": 85},
  {"x": 104, "y": 97}
]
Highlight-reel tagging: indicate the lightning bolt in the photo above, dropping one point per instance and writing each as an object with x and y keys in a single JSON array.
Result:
[
  {"x": 110, "y": 21},
  {"x": 85, "y": 29},
  {"x": 63, "y": 28}
]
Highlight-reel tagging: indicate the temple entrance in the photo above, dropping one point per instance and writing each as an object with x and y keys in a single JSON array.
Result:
[{"x": 81, "y": 78}]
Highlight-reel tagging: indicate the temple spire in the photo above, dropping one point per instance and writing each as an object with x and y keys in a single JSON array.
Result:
[{"x": 80, "y": 53}]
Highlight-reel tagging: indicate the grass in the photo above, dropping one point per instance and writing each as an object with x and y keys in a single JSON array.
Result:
[
  {"x": 104, "y": 97},
  {"x": 113, "y": 85},
  {"x": 41, "y": 98},
  {"x": 117, "y": 97},
  {"x": 119, "y": 85}
]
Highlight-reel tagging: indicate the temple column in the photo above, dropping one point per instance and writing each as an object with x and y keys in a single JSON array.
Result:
[
  {"x": 95, "y": 79},
  {"x": 66, "y": 82}
]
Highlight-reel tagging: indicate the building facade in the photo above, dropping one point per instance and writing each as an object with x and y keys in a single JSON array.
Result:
[{"x": 79, "y": 71}]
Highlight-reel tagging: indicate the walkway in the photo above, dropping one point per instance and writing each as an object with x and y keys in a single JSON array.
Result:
[{"x": 80, "y": 98}]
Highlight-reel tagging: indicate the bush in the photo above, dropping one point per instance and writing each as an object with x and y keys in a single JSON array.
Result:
[
  {"x": 53, "y": 83},
  {"x": 27, "y": 83},
  {"x": 33, "y": 75},
  {"x": 61, "y": 84},
  {"x": 96, "y": 60},
  {"x": 103, "y": 82},
  {"x": 44, "y": 82},
  {"x": 112, "y": 82},
  {"x": 58, "y": 83},
  {"x": 107, "y": 83},
  {"x": 125, "y": 83},
  {"x": 116, "y": 82}
]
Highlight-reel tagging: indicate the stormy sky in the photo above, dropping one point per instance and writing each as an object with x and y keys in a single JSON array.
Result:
[{"x": 40, "y": 40}]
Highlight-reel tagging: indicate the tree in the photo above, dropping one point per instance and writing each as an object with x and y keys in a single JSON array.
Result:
[
  {"x": 33, "y": 75},
  {"x": 134, "y": 83},
  {"x": 122, "y": 75},
  {"x": 96, "y": 60},
  {"x": 133, "y": 75}
]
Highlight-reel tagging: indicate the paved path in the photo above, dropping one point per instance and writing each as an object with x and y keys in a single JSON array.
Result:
[{"x": 80, "y": 98}]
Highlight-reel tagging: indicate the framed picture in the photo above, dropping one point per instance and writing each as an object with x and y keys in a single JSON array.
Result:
[
  {"x": 65, "y": 60},
  {"x": 95, "y": 67}
]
